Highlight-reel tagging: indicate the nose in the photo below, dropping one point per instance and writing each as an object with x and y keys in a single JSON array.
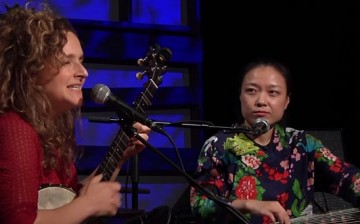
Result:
[
  {"x": 261, "y": 100},
  {"x": 81, "y": 71}
]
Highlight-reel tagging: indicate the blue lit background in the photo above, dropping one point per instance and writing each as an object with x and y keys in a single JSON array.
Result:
[{"x": 157, "y": 12}]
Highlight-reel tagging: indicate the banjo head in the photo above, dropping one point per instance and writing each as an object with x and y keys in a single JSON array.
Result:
[{"x": 54, "y": 196}]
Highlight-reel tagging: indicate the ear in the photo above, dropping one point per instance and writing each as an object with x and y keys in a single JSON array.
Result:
[{"x": 287, "y": 102}]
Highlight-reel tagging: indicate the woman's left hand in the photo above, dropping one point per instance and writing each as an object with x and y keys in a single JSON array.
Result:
[{"x": 135, "y": 145}]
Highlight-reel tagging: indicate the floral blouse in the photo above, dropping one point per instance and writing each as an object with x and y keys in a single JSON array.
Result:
[{"x": 288, "y": 170}]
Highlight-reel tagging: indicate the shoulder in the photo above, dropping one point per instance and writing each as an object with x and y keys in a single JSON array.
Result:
[
  {"x": 289, "y": 135},
  {"x": 12, "y": 123},
  {"x": 217, "y": 139},
  {"x": 222, "y": 135},
  {"x": 289, "y": 132},
  {"x": 299, "y": 137},
  {"x": 302, "y": 134}
]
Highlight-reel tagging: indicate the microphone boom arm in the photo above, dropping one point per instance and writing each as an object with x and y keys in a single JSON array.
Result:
[
  {"x": 182, "y": 124},
  {"x": 202, "y": 124}
]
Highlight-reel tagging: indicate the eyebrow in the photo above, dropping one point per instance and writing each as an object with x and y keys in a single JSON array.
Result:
[{"x": 74, "y": 56}]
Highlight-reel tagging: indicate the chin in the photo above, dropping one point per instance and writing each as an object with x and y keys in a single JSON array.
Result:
[{"x": 80, "y": 102}]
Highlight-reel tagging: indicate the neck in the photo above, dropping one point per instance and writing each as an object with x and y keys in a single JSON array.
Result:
[{"x": 265, "y": 138}]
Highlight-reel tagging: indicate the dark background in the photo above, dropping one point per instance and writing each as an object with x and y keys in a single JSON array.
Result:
[{"x": 318, "y": 41}]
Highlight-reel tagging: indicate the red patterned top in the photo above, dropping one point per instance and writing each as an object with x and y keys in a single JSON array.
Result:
[{"x": 21, "y": 173}]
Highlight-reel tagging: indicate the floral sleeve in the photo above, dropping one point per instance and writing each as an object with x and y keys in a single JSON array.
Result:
[
  {"x": 334, "y": 175},
  {"x": 210, "y": 174}
]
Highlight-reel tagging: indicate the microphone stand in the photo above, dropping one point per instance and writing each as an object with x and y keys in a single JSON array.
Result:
[
  {"x": 131, "y": 132},
  {"x": 194, "y": 184}
]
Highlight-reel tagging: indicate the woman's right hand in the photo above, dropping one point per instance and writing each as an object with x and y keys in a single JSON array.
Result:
[
  {"x": 272, "y": 209},
  {"x": 103, "y": 198}
]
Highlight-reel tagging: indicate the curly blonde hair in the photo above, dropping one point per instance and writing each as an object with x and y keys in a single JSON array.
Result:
[{"x": 30, "y": 40}]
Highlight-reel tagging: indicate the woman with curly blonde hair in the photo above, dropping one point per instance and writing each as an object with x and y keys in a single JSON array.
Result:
[{"x": 41, "y": 80}]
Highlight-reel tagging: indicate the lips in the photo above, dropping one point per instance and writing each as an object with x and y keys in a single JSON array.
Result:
[
  {"x": 75, "y": 87},
  {"x": 261, "y": 113}
]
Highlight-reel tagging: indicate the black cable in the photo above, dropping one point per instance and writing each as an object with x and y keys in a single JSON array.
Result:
[
  {"x": 325, "y": 201},
  {"x": 176, "y": 150},
  {"x": 237, "y": 214}
]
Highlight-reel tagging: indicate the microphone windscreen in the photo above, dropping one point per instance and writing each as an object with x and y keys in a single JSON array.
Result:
[{"x": 100, "y": 93}]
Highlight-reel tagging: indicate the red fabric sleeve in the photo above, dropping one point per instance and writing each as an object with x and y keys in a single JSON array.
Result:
[{"x": 20, "y": 166}]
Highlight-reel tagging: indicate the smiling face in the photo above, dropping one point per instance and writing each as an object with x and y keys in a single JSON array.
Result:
[
  {"x": 263, "y": 94},
  {"x": 64, "y": 89}
]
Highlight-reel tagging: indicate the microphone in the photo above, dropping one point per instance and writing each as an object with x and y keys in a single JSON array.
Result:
[
  {"x": 101, "y": 94},
  {"x": 261, "y": 126}
]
